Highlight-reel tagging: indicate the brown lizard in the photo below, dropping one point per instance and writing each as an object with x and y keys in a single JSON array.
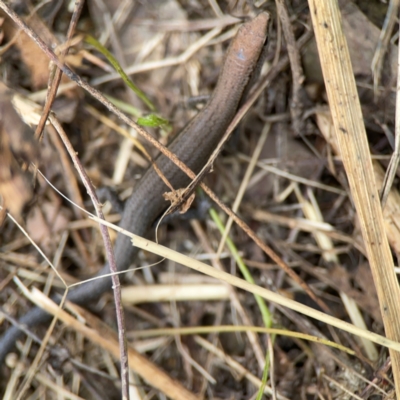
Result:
[{"x": 193, "y": 146}]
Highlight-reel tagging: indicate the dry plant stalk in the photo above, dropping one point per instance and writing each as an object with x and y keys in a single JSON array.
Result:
[{"x": 353, "y": 144}]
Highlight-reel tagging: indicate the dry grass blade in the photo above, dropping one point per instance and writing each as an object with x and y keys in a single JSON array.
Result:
[
  {"x": 351, "y": 136},
  {"x": 252, "y": 288}
]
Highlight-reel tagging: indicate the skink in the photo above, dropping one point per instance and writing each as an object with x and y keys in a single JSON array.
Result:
[{"x": 193, "y": 146}]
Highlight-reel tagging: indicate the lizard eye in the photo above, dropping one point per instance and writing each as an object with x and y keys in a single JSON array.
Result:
[{"x": 240, "y": 55}]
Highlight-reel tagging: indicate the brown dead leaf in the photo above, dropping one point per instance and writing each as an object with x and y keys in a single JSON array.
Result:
[
  {"x": 44, "y": 223},
  {"x": 17, "y": 148},
  {"x": 36, "y": 61}
]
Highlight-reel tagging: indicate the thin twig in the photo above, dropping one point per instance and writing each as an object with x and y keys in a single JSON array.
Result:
[
  {"x": 110, "y": 257},
  {"x": 53, "y": 86},
  {"x": 295, "y": 65}
]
